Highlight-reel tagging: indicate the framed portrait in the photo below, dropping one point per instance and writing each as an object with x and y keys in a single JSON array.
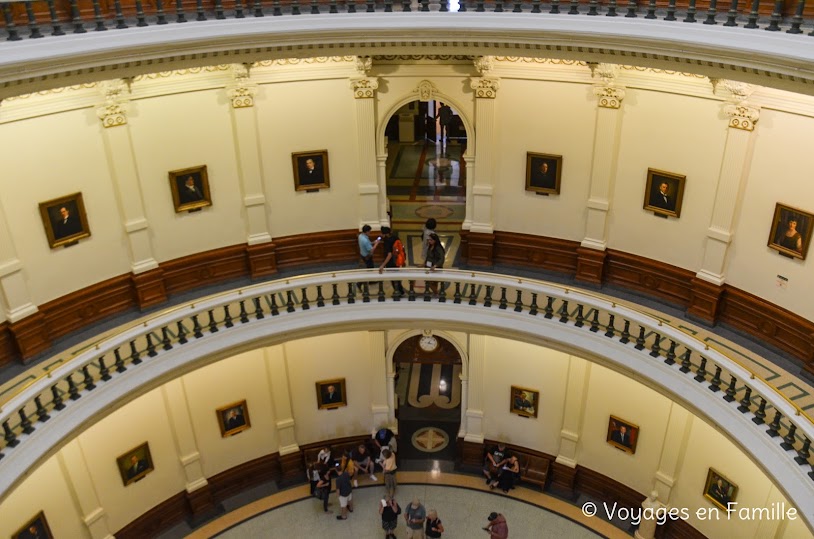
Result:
[
  {"x": 135, "y": 464},
  {"x": 622, "y": 434},
  {"x": 543, "y": 172},
  {"x": 233, "y": 418},
  {"x": 36, "y": 528},
  {"x": 311, "y": 170},
  {"x": 524, "y": 401},
  {"x": 331, "y": 394},
  {"x": 65, "y": 220},
  {"x": 791, "y": 231},
  {"x": 718, "y": 489},
  {"x": 664, "y": 193},
  {"x": 190, "y": 189}
]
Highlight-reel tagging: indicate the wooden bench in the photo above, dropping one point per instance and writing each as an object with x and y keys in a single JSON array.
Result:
[{"x": 535, "y": 470}]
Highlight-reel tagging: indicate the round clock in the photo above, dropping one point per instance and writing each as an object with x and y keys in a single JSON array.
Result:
[{"x": 428, "y": 343}]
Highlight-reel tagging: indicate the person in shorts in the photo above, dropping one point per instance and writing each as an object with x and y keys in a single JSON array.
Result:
[
  {"x": 389, "y": 510},
  {"x": 344, "y": 489}
]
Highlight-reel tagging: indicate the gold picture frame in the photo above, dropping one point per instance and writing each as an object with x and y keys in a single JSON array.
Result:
[
  {"x": 790, "y": 234},
  {"x": 37, "y": 527},
  {"x": 622, "y": 434},
  {"x": 331, "y": 394},
  {"x": 664, "y": 201},
  {"x": 311, "y": 170},
  {"x": 135, "y": 464},
  {"x": 719, "y": 490},
  {"x": 233, "y": 418},
  {"x": 190, "y": 189},
  {"x": 543, "y": 173},
  {"x": 65, "y": 220},
  {"x": 524, "y": 401}
]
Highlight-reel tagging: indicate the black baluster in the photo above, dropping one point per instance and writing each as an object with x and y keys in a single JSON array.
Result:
[
  {"x": 671, "y": 353},
  {"x": 611, "y": 9},
  {"x": 790, "y": 438},
  {"x": 151, "y": 346},
  {"x": 732, "y": 14},
  {"x": 88, "y": 379},
  {"x": 479, "y": 6},
  {"x": 461, "y": 6},
  {"x": 487, "y": 300},
  {"x": 365, "y": 287},
  {"x": 411, "y": 291},
  {"x": 258, "y": 8},
  {"x": 655, "y": 350},
  {"x": 120, "y": 24},
  {"x": 473, "y": 297},
  {"x": 295, "y": 7},
  {"x": 182, "y": 332},
  {"x": 625, "y": 338},
  {"x": 774, "y": 20},
  {"x": 580, "y": 319},
  {"x": 381, "y": 296},
  {"x": 549, "y": 308},
  {"x": 76, "y": 19},
  {"x": 686, "y": 361},
  {"x": 227, "y": 317},
  {"x": 690, "y": 12},
  {"x": 640, "y": 339},
  {"x": 119, "y": 362},
  {"x": 305, "y": 303},
  {"x": 631, "y": 9},
  {"x": 774, "y": 427},
  {"x": 55, "y": 24},
  {"x": 289, "y": 305},
  {"x": 651, "y": 9},
  {"x": 239, "y": 9},
  {"x": 196, "y": 327},
  {"x": 320, "y": 299},
  {"x": 135, "y": 357},
  {"x": 593, "y": 6},
  {"x": 219, "y": 10},
  {"x": 535, "y": 6},
  {"x": 712, "y": 10},
  {"x": 715, "y": 383},
  {"x": 199, "y": 9},
  {"x": 442, "y": 292},
  {"x": 73, "y": 391},
  {"x": 731, "y": 391},
  {"x": 405, "y": 5},
  {"x": 159, "y": 11},
  {"x": 165, "y": 338},
  {"x": 753, "y": 15},
  {"x": 701, "y": 373},
  {"x": 351, "y": 298},
  {"x": 11, "y": 439},
  {"x": 350, "y": 3},
  {"x": 427, "y": 293},
  {"x": 335, "y": 294},
  {"x": 314, "y": 7},
  {"x": 595, "y": 321},
  {"x": 33, "y": 27},
  {"x": 213, "y": 326},
  {"x": 444, "y": 6},
  {"x": 457, "y": 295},
  {"x": 803, "y": 453},
  {"x": 518, "y": 7},
  {"x": 610, "y": 330},
  {"x": 573, "y": 9},
  {"x": 671, "y": 11},
  {"x": 425, "y": 5},
  {"x": 140, "y": 14},
  {"x": 555, "y": 7},
  {"x": 518, "y": 302},
  {"x": 258, "y": 309},
  {"x": 57, "y": 398},
  {"x": 179, "y": 11},
  {"x": 533, "y": 308},
  {"x": 388, "y": 6},
  {"x": 25, "y": 423},
  {"x": 761, "y": 412},
  {"x": 503, "y": 302},
  {"x": 797, "y": 20},
  {"x": 746, "y": 401},
  {"x": 563, "y": 312},
  {"x": 104, "y": 372},
  {"x": 42, "y": 413}
]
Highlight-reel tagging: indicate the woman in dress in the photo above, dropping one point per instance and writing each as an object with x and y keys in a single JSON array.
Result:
[{"x": 792, "y": 239}]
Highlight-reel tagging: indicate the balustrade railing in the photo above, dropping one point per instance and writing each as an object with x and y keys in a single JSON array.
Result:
[
  {"x": 40, "y": 18},
  {"x": 47, "y": 396}
]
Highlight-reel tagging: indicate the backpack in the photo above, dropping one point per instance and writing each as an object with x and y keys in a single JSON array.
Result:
[{"x": 399, "y": 254}]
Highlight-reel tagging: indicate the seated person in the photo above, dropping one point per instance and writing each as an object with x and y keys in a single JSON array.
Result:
[
  {"x": 495, "y": 459},
  {"x": 324, "y": 456},
  {"x": 363, "y": 461},
  {"x": 509, "y": 473}
]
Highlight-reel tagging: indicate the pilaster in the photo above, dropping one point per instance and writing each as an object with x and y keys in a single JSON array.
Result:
[
  {"x": 15, "y": 299},
  {"x": 679, "y": 424},
  {"x": 277, "y": 371},
  {"x": 484, "y": 90},
  {"x": 381, "y": 405},
  {"x": 475, "y": 426},
  {"x": 579, "y": 374},
  {"x": 241, "y": 91},
  {"x": 75, "y": 469},
  {"x": 371, "y": 187}
]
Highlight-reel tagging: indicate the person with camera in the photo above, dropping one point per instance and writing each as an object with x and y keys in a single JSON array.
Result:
[{"x": 389, "y": 510}]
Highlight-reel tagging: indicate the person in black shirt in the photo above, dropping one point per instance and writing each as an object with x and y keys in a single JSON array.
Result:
[
  {"x": 390, "y": 257},
  {"x": 389, "y": 510}
]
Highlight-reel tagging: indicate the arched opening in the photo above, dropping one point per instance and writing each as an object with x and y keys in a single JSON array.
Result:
[
  {"x": 425, "y": 174},
  {"x": 429, "y": 395}
]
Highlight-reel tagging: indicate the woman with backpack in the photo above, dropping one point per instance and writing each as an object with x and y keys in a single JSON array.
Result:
[{"x": 435, "y": 258}]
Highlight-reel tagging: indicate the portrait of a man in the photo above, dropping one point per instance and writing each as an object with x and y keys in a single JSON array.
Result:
[
  {"x": 664, "y": 193},
  {"x": 36, "y": 528},
  {"x": 233, "y": 418},
  {"x": 718, "y": 489},
  {"x": 190, "y": 189},
  {"x": 543, "y": 172},
  {"x": 622, "y": 434},
  {"x": 310, "y": 170},
  {"x": 65, "y": 220},
  {"x": 331, "y": 393},
  {"x": 524, "y": 401},
  {"x": 135, "y": 464},
  {"x": 791, "y": 231}
]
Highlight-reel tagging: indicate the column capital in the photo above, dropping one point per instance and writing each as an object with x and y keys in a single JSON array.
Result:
[
  {"x": 241, "y": 89},
  {"x": 740, "y": 113},
  {"x": 485, "y": 87},
  {"x": 113, "y": 112},
  {"x": 609, "y": 93},
  {"x": 364, "y": 87}
]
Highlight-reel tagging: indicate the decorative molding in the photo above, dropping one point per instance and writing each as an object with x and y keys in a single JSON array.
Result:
[
  {"x": 609, "y": 94},
  {"x": 742, "y": 114},
  {"x": 149, "y": 288},
  {"x": 30, "y": 335},
  {"x": 550, "y": 254},
  {"x": 485, "y": 87},
  {"x": 590, "y": 266},
  {"x": 363, "y": 65},
  {"x": 704, "y": 301},
  {"x": 364, "y": 87},
  {"x": 205, "y": 268},
  {"x": 425, "y": 90},
  {"x": 241, "y": 91},
  {"x": 484, "y": 65},
  {"x": 478, "y": 248},
  {"x": 114, "y": 112},
  {"x": 666, "y": 282}
]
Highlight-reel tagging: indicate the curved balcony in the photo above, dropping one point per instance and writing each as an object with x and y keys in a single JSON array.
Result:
[
  {"x": 51, "y": 409},
  {"x": 146, "y": 37}
]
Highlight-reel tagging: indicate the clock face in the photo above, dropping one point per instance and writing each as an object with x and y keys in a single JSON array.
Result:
[{"x": 428, "y": 343}]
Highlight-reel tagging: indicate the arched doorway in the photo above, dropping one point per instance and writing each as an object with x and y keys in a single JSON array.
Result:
[
  {"x": 429, "y": 394},
  {"x": 426, "y": 174}
]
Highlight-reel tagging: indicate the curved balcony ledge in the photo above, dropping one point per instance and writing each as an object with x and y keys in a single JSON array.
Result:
[
  {"x": 85, "y": 389},
  {"x": 774, "y": 59}
]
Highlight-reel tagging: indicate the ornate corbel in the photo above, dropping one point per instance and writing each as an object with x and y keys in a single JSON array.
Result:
[
  {"x": 241, "y": 91},
  {"x": 741, "y": 113},
  {"x": 114, "y": 111},
  {"x": 608, "y": 92}
]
